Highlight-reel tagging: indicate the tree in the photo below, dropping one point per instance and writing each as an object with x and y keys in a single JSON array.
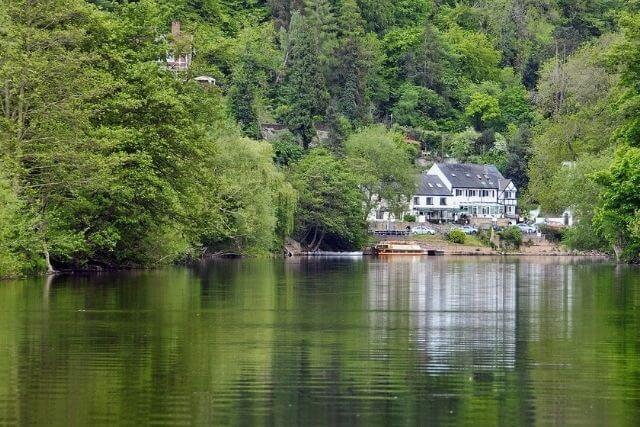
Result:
[
  {"x": 383, "y": 163},
  {"x": 286, "y": 151},
  {"x": 251, "y": 74},
  {"x": 475, "y": 54},
  {"x": 420, "y": 107},
  {"x": 329, "y": 202},
  {"x": 50, "y": 81},
  {"x": 354, "y": 64},
  {"x": 483, "y": 111},
  {"x": 569, "y": 84},
  {"x": 304, "y": 91},
  {"x": 627, "y": 56},
  {"x": 618, "y": 214}
]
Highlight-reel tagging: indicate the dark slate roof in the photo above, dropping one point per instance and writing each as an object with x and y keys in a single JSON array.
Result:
[
  {"x": 504, "y": 183},
  {"x": 432, "y": 185},
  {"x": 467, "y": 175}
]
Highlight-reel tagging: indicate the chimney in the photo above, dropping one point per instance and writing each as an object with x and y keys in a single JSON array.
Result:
[{"x": 175, "y": 29}]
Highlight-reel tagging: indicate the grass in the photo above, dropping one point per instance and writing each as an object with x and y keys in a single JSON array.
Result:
[{"x": 470, "y": 240}]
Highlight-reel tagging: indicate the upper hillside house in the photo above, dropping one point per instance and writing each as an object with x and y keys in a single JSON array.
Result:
[
  {"x": 454, "y": 191},
  {"x": 179, "y": 59}
]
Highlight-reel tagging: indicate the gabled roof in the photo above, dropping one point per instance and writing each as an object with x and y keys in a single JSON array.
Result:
[
  {"x": 504, "y": 183},
  {"x": 432, "y": 185},
  {"x": 467, "y": 175}
]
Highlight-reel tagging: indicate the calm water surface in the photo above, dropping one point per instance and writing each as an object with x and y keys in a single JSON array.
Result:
[{"x": 326, "y": 342}]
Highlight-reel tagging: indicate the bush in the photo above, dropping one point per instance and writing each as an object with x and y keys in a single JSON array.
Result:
[
  {"x": 456, "y": 236},
  {"x": 485, "y": 237},
  {"x": 584, "y": 237},
  {"x": 511, "y": 238},
  {"x": 552, "y": 234},
  {"x": 409, "y": 218}
]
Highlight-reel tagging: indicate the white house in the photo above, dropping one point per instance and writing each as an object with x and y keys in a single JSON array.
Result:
[
  {"x": 433, "y": 200},
  {"x": 450, "y": 191}
]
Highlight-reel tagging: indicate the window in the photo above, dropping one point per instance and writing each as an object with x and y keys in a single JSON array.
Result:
[
  {"x": 485, "y": 193},
  {"x": 443, "y": 201},
  {"x": 471, "y": 193},
  {"x": 416, "y": 201},
  {"x": 429, "y": 200},
  {"x": 459, "y": 193}
]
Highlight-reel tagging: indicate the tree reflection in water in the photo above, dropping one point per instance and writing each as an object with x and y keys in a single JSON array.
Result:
[{"x": 326, "y": 342}]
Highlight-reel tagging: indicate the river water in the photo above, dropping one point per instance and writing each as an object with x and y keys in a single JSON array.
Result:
[{"x": 482, "y": 341}]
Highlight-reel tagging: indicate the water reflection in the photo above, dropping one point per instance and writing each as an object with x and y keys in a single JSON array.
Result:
[
  {"x": 457, "y": 314},
  {"x": 326, "y": 342}
]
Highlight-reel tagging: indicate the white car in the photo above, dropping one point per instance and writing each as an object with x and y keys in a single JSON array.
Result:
[
  {"x": 421, "y": 229},
  {"x": 466, "y": 229},
  {"x": 527, "y": 229}
]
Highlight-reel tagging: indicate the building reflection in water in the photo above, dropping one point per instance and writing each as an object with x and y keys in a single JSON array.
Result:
[{"x": 460, "y": 314}]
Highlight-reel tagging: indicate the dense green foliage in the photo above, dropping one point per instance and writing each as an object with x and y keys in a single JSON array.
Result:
[
  {"x": 585, "y": 153},
  {"x": 109, "y": 159},
  {"x": 456, "y": 236},
  {"x": 330, "y": 206},
  {"x": 511, "y": 238}
]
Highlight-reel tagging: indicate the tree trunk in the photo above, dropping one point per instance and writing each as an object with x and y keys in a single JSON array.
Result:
[
  {"x": 618, "y": 248},
  {"x": 47, "y": 258},
  {"x": 315, "y": 236},
  {"x": 320, "y": 240}
]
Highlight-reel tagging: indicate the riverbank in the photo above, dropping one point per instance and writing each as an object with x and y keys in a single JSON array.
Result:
[{"x": 532, "y": 246}]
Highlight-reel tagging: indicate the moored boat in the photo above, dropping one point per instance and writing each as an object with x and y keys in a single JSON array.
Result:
[{"x": 398, "y": 248}]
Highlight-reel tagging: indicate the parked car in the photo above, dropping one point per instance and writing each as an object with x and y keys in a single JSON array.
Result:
[
  {"x": 527, "y": 229},
  {"x": 488, "y": 227},
  {"x": 467, "y": 229},
  {"x": 422, "y": 229}
]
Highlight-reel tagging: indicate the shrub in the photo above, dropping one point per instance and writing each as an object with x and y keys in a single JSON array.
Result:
[
  {"x": 584, "y": 237},
  {"x": 409, "y": 218},
  {"x": 511, "y": 238},
  {"x": 456, "y": 236},
  {"x": 485, "y": 237},
  {"x": 552, "y": 234}
]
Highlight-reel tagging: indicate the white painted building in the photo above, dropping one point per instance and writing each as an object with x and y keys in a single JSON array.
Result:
[
  {"x": 477, "y": 191},
  {"x": 452, "y": 191}
]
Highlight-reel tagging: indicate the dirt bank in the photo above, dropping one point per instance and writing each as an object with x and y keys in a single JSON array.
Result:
[{"x": 533, "y": 246}]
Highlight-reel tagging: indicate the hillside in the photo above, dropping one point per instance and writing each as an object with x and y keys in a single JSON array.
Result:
[{"x": 108, "y": 158}]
